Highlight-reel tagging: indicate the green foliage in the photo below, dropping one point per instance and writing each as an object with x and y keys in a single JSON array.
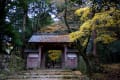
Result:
[
  {"x": 24, "y": 4},
  {"x": 2, "y": 76},
  {"x": 82, "y": 65},
  {"x": 11, "y": 32},
  {"x": 109, "y": 53},
  {"x": 45, "y": 19},
  {"x": 16, "y": 27},
  {"x": 16, "y": 63}
]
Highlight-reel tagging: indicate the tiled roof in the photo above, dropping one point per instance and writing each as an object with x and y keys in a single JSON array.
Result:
[{"x": 49, "y": 38}]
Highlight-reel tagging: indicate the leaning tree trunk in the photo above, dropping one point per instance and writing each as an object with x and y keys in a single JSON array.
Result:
[
  {"x": 89, "y": 70},
  {"x": 87, "y": 62},
  {"x": 82, "y": 52}
]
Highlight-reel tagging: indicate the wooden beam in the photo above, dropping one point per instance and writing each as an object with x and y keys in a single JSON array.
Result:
[
  {"x": 65, "y": 55},
  {"x": 40, "y": 53}
]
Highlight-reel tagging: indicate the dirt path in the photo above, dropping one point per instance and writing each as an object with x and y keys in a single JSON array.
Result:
[{"x": 48, "y": 75}]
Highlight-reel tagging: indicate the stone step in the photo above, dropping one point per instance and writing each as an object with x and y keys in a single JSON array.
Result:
[
  {"x": 46, "y": 79},
  {"x": 51, "y": 73},
  {"x": 81, "y": 78},
  {"x": 47, "y": 70},
  {"x": 42, "y": 76},
  {"x": 48, "y": 75}
]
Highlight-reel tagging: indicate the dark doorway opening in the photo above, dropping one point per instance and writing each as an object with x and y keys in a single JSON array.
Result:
[{"x": 53, "y": 59}]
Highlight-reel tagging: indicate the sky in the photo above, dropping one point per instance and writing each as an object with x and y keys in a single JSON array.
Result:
[{"x": 53, "y": 14}]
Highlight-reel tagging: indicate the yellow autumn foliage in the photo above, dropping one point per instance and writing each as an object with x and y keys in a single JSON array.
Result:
[
  {"x": 86, "y": 26},
  {"x": 83, "y": 12},
  {"x": 103, "y": 19},
  {"x": 54, "y": 54},
  {"x": 101, "y": 22},
  {"x": 75, "y": 35},
  {"x": 105, "y": 38},
  {"x": 85, "y": 42}
]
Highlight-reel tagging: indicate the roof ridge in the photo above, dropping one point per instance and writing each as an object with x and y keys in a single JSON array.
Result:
[{"x": 50, "y": 33}]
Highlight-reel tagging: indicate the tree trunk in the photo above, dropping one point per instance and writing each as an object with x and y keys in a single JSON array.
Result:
[
  {"x": 2, "y": 11},
  {"x": 24, "y": 20},
  {"x": 24, "y": 36},
  {"x": 87, "y": 64},
  {"x": 84, "y": 55},
  {"x": 86, "y": 59},
  {"x": 65, "y": 17},
  {"x": 2, "y": 21},
  {"x": 94, "y": 43}
]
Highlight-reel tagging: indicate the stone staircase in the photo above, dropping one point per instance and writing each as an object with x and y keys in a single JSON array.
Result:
[{"x": 54, "y": 74}]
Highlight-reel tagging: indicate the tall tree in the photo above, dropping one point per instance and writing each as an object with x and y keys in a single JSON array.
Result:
[
  {"x": 102, "y": 23},
  {"x": 16, "y": 26},
  {"x": 65, "y": 16}
]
